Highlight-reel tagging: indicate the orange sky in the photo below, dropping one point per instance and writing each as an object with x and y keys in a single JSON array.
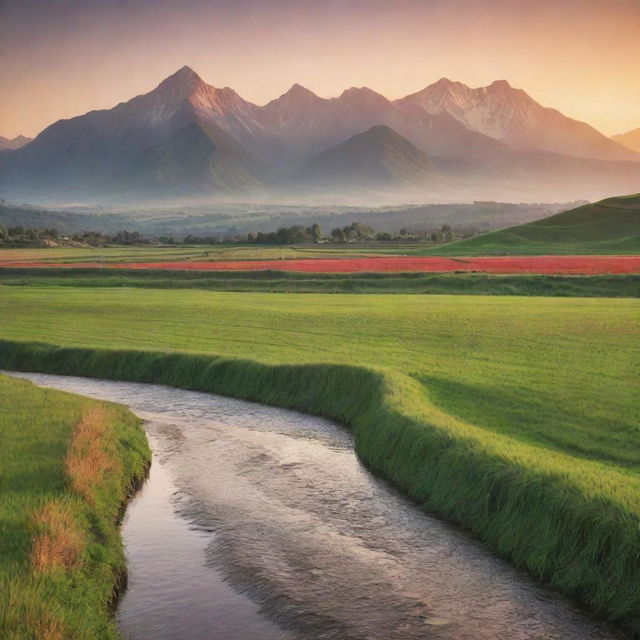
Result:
[{"x": 63, "y": 58}]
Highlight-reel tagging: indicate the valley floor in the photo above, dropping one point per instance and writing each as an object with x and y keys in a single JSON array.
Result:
[{"x": 516, "y": 417}]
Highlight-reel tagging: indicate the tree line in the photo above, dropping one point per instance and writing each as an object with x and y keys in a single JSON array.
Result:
[{"x": 18, "y": 236}]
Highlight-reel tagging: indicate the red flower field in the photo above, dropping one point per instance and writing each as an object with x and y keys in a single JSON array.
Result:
[{"x": 568, "y": 265}]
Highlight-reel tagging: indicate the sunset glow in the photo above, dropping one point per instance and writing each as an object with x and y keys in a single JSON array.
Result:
[{"x": 65, "y": 58}]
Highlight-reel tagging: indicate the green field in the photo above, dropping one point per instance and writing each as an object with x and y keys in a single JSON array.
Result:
[
  {"x": 516, "y": 417},
  {"x": 199, "y": 253},
  {"x": 61, "y": 556},
  {"x": 611, "y": 226},
  {"x": 609, "y": 286}
]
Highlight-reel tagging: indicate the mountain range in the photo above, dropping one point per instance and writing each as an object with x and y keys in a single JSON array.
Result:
[{"x": 450, "y": 142}]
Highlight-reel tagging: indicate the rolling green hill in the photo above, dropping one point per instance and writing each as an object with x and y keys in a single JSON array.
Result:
[{"x": 609, "y": 226}]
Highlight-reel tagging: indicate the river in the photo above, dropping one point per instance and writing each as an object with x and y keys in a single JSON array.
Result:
[{"x": 258, "y": 523}]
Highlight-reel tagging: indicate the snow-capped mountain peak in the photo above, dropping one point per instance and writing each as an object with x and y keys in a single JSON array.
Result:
[
  {"x": 512, "y": 116},
  {"x": 495, "y": 110}
]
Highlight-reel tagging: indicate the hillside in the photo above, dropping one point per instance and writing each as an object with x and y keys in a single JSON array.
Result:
[
  {"x": 377, "y": 157},
  {"x": 631, "y": 139},
  {"x": 608, "y": 226}
]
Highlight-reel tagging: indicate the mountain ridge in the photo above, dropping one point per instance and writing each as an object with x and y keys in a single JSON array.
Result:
[
  {"x": 239, "y": 146},
  {"x": 511, "y": 115},
  {"x": 11, "y": 144}
]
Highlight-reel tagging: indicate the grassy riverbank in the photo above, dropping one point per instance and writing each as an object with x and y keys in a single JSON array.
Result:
[
  {"x": 67, "y": 464},
  {"x": 611, "y": 286},
  {"x": 515, "y": 417}
]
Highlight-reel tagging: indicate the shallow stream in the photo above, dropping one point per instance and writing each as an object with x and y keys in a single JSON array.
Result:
[{"x": 258, "y": 523}]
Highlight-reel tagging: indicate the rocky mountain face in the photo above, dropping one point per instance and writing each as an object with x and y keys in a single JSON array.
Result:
[
  {"x": 187, "y": 138},
  {"x": 512, "y": 116}
]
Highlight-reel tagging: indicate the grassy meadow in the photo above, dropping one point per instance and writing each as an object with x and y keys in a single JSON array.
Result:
[
  {"x": 608, "y": 286},
  {"x": 611, "y": 226},
  {"x": 199, "y": 253},
  {"x": 67, "y": 464},
  {"x": 516, "y": 417}
]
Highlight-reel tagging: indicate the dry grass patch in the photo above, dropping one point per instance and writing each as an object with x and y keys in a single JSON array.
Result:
[
  {"x": 60, "y": 541},
  {"x": 90, "y": 455}
]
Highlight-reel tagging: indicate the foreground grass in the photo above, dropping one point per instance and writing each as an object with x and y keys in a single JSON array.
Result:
[
  {"x": 612, "y": 286},
  {"x": 516, "y": 417},
  {"x": 67, "y": 464}
]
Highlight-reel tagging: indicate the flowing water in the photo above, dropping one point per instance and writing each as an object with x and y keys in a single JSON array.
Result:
[{"x": 260, "y": 523}]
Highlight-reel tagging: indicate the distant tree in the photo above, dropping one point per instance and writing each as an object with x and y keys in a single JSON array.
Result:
[
  {"x": 129, "y": 238},
  {"x": 447, "y": 233},
  {"x": 293, "y": 234},
  {"x": 358, "y": 231},
  {"x": 3, "y": 233},
  {"x": 266, "y": 238},
  {"x": 316, "y": 232},
  {"x": 337, "y": 235}
]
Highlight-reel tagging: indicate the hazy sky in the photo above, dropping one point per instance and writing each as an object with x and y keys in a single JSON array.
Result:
[{"x": 60, "y": 58}]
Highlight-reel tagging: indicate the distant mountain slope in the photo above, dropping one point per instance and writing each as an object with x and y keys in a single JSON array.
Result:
[
  {"x": 198, "y": 158},
  {"x": 630, "y": 139},
  {"x": 379, "y": 157},
  {"x": 13, "y": 143},
  {"x": 31, "y": 217},
  {"x": 513, "y": 117},
  {"x": 609, "y": 226},
  {"x": 135, "y": 148}
]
